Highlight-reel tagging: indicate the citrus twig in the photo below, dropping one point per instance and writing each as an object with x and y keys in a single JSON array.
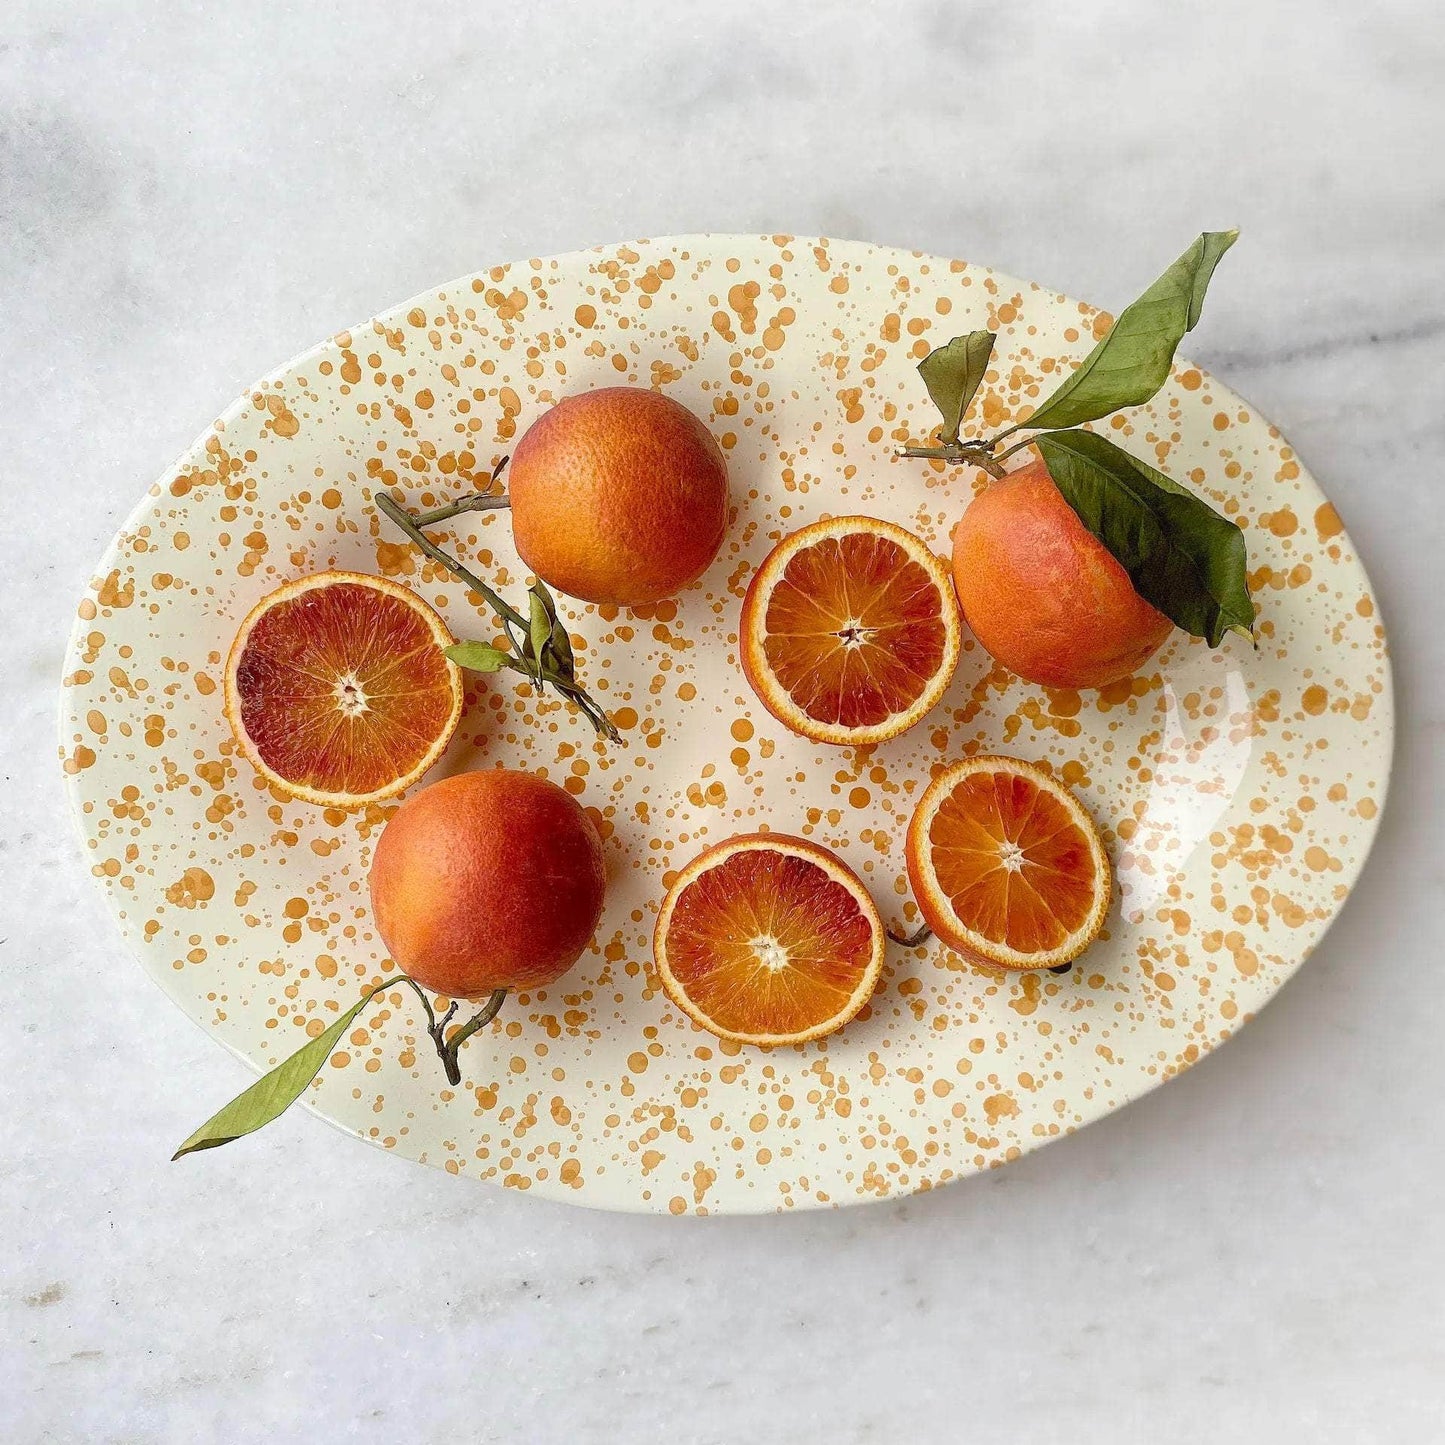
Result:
[
  {"x": 448, "y": 1048},
  {"x": 1016, "y": 447},
  {"x": 516, "y": 626},
  {"x": 478, "y": 1020},
  {"x": 407, "y": 523},
  {"x": 477, "y": 502},
  {"x": 978, "y": 454},
  {"x": 911, "y": 940}
]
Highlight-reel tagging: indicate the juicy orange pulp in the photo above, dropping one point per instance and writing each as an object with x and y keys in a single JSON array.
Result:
[
  {"x": 1006, "y": 864},
  {"x": 342, "y": 688},
  {"x": 769, "y": 944},
  {"x": 1013, "y": 862},
  {"x": 854, "y": 630}
]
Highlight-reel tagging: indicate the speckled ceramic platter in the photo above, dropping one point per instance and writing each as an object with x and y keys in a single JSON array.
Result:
[{"x": 1238, "y": 790}]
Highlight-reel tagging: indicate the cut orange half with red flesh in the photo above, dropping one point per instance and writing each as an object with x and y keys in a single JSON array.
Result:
[
  {"x": 1007, "y": 867},
  {"x": 850, "y": 631},
  {"x": 338, "y": 690},
  {"x": 767, "y": 939}
]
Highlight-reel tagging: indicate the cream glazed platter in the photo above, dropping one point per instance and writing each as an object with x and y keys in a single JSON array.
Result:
[{"x": 1238, "y": 790}]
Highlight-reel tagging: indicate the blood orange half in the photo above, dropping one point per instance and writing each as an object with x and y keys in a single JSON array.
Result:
[
  {"x": 338, "y": 690},
  {"x": 1007, "y": 867},
  {"x": 850, "y": 631},
  {"x": 766, "y": 939}
]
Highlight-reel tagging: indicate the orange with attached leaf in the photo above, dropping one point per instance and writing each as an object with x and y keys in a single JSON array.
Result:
[
  {"x": 1043, "y": 595},
  {"x": 1072, "y": 571},
  {"x": 481, "y": 883}
]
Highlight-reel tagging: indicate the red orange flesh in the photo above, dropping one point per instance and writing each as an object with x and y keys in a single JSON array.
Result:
[
  {"x": 338, "y": 689},
  {"x": 1007, "y": 866},
  {"x": 849, "y": 633},
  {"x": 767, "y": 939}
]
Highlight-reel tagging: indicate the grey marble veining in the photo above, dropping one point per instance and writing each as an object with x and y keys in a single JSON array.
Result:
[{"x": 190, "y": 194}]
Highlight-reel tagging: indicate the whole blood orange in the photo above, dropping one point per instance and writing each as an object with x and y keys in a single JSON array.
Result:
[
  {"x": 1043, "y": 595},
  {"x": 849, "y": 631},
  {"x": 338, "y": 690},
  {"x": 1007, "y": 867},
  {"x": 766, "y": 939},
  {"x": 487, "y": 880},
  {"x": 618, "y": 496}
]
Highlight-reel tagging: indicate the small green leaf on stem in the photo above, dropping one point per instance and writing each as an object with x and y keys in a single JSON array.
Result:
[
  {"x": 273, "y": 1093},
  {"x": 1182, "y": 556},
  {"x": 558, "y": 641},
  {"x": 562, "y": 649},
  {"x": 539, "y": 633},
  {"x": 480, "y": 657},
  {"x": 1132, "y": 362},
  {"x": 953, "y": 375}
]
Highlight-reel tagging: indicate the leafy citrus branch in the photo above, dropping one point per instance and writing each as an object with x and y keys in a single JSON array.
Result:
[
  {"x": 274, "y": 1092},
  {"x": 1182, "y": 556},
  {"x": 540, "y": 647}
]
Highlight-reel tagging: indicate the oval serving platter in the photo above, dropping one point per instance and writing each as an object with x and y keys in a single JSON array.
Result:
[{"x": 1238, "y": 790}]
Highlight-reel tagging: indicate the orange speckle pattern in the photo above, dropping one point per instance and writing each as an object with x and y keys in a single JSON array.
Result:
[{"x": 1237, "y": 790}]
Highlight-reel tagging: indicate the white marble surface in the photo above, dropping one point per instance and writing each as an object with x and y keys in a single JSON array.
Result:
[{"x": 187, "y": 197}]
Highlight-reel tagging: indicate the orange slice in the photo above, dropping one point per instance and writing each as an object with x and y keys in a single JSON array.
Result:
[
  {"x": 850, "y": 631},
  {"x": 767, "y": 939},
  {"x": 338, "y": 690},
  {"x": 1007, "y": 867}
]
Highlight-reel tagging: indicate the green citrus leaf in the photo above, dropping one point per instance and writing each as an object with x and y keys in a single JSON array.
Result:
[
  {"x": 559, "y": 645},
  {"x": 480, "y": 657},
  {"x": 1181, "y": 555},
  {"x": 561, "y": 649},
  {"x": 1132, "y": 362},
  {"x": 273, "y": 1093},
  {"x": 539, "y": 630},
  {"x": 953, "y": 375}
]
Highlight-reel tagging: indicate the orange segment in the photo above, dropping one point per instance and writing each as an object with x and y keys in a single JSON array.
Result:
[
  {"x": 850, "y": 631},
  {"x": 767, "y": 939},
  {"x": 1007, "y": 867},
  {"x": 338, "y": 690}
]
